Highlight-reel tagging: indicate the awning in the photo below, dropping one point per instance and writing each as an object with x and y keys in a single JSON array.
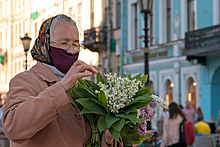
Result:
[
  {"x": 34, "y": 15},
  {"x": 2, "y": 57}
]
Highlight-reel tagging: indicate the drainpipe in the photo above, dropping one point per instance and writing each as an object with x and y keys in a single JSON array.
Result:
[
  {"x": 108, "y": 5},
  {"x": 123, "y": 29}
]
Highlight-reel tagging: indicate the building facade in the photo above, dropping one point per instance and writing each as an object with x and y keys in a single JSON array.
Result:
[
  {"x": 175, "y": 74},
  {"x": 18, "y": 17}
]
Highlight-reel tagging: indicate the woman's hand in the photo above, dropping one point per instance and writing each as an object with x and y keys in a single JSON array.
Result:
[{"x": 76, "y": 71}]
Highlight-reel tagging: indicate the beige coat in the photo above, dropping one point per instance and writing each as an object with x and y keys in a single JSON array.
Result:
[
  {"x": 39, "y": 113},
  {"x": 171, "y": 132}
]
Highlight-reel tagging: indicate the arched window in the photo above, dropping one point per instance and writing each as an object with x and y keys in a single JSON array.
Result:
[
  {"x": 169, "y": 91},
  {"x": 192, "y": 91}
]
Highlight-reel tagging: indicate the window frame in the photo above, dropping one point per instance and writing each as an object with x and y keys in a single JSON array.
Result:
[{"x": 131, "y": 24}]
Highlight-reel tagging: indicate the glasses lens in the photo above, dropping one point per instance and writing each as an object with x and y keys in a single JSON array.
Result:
[{"x": 63, "y": 45}]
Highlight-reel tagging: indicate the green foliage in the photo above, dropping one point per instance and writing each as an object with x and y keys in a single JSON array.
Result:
[
  {"x": 102, "y": 125},
  {"x": 92, "y": 84},
  {"x": 144, "y": 79},
  {"x": 100, "y": 78},
  {"x": 137, "y": 77},
  {"x": 142, "y": 103},
  {"x": 115, "y": 134},
  {"x": 94, "y": 107},
  {"x": 131, "y": 116},
  {"x": 111, "y": 119},
  {"x": 130, "y": 136},
  {"x": 102, "y": 98},
  {"x": 143, "y": 91},
  {"x": 128, "y": 76},
  {"x": 91, "y": 106},
  {"x": 119, "y": 124},
  {"x": 83, "y": 93}
]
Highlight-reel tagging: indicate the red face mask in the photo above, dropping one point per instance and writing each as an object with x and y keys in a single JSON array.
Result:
[{"x": 61, "y": 59}]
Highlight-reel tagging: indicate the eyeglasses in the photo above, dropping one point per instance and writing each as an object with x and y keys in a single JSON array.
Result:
[{"x": 67, "y": 44}]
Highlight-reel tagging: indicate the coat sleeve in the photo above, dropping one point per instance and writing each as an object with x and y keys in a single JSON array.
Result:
[{"x": 26, "y": 111}]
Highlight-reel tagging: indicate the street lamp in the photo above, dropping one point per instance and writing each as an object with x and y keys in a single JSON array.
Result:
[
  {"x": 26, "y": 40},
  {"x": 146, "y": 8}
]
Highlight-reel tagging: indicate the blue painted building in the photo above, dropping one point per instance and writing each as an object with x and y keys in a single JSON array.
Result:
[{"x": 184, "y": 50}]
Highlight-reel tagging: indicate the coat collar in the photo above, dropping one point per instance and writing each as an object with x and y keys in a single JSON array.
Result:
[{"x": 44, "y": 72}]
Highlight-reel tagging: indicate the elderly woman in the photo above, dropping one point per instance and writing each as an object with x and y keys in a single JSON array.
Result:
[{"x": 38, "y": 111}]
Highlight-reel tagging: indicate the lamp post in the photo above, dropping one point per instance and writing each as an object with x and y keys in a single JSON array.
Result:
[
  {"x": 26, "y": 40},
  {"x": 146, "y": 8}
]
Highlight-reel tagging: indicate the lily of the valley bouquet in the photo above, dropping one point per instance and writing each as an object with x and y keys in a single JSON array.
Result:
[{"x": 119, "y": 104}]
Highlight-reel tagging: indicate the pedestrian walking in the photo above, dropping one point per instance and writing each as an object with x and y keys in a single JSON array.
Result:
[
  {"x": 171, "y": 131},
  {"x": 189, "y": 112}
]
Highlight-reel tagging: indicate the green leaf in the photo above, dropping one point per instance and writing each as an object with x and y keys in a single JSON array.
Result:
[
  {"x": 100, "y": 78},
  {"x": 140, "y": 120},
  {"x": 97, "y": 102},
  {"x": 102, "y": 125},
  {"x": 131, "y": 116},
  {"x": 86, "y": 111},
  {"x": 130, "y": 138},
  {"x": 81, "y": 85},
  {"x": 91, "y": 105},
  {"x": 124, "y": 131},
  {"x": 143, "y": 91},
  {"x": 136, "y": 100},
  {"x": 81, "y": 81},
  {"x": 127, "y": 121},
  {"x": 115, "y": 134},
  {"x": 90, "y": 90},
  {"x": 89, "y": 117},
  {"x": 85, "y": 85},
  {"x": 72, "y": 94},
  {"x": 138, "y": 77},
  {"x": 93, "y": 85},
  {"x": 102, "y": 98},
  {"x": 83, "y": 93},
  {"x": 142, "y": 138},
  {"x": 111, "y": 119},
  {"x": 144, "y": 79},
  {"x": 141, "y": 103},
  {"x": 130, "y": 109},
  {"x": 128, "y": 76},
  {"x": 119, "y": 124}
]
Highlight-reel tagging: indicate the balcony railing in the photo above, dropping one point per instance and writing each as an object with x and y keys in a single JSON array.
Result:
[
  {"x": 95, "y": 35},
  {"x": 203, "y": 42}
]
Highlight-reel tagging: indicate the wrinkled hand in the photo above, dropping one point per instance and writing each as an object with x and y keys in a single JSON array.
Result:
[
  {"x": 76, "y": 71},
  {"x": 108, "y": 137}
]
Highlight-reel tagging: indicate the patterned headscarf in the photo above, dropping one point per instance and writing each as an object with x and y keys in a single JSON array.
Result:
[{"x": 41, "y": 48}]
